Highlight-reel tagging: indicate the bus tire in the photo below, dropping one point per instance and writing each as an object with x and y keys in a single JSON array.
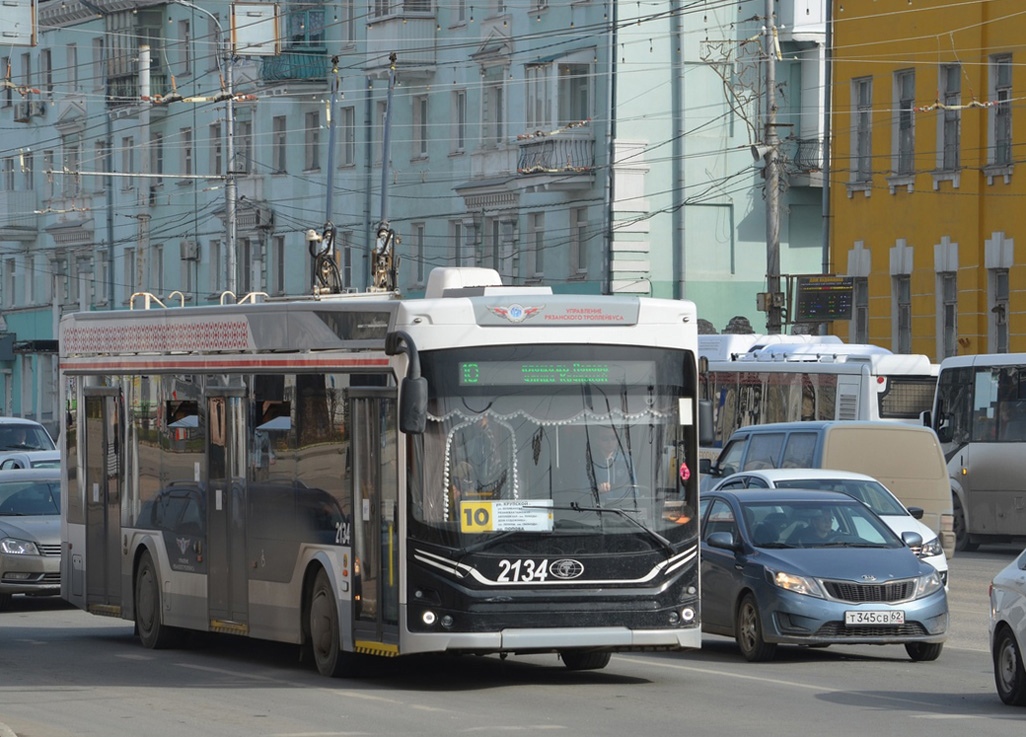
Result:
[
  {"x": 585, "y": 659},
  {"x": 323, "y": 626},
  {"x": 153, "y": 633},
  {"x": 962, "y": 543}
]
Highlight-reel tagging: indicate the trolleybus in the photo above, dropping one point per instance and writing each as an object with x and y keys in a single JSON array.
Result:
[
  {"x": 980, "y": 419},
  {"x": 368, "y": 475}
]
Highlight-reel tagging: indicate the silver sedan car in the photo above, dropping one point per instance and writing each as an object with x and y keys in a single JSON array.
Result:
[
  {"x": 1008, "y": 630},
  {"x": 30, "y": 533}
]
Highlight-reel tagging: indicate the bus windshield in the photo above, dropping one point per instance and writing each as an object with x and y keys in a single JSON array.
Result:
[{"x": 543, "y": 439}]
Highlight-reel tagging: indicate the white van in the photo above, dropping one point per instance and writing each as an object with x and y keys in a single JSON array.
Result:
[{"x": 907, "y": 459}]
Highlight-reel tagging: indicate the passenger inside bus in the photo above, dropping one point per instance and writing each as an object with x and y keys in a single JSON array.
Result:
[{"x": 485, "y": 445}]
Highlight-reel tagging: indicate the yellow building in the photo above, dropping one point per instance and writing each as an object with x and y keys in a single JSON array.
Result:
[{"x": 927, "y": 194}]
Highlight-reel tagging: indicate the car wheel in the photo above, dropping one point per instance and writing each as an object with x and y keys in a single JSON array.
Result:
[
  {"x": 924, "y": 651},
  {"x": 962, "y": 544},
  {"x": 748, "y": 632},
  {"x": 1009, "y": 674},
  {"x": 153, "y": 633},
  {"x": 324, "y": 630},
  {"x": 585, "y": 659}
]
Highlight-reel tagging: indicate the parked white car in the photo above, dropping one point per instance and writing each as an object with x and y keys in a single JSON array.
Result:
[
  {"x": 1008, "y": 630},
  {"x": 865, "y": 488}
]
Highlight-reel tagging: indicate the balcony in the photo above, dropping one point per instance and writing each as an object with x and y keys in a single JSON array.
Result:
[
  {"x": 18, "y": 218},
  {"x": 802, "y": 160},
  {"x": 292, "y": 65},
  {"x": 412, "y": 38},
  {"x": 563, "y": 159}
]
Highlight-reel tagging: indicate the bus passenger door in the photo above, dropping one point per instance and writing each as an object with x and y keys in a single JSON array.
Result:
[
  {"x": 376, "y": 523},
  {"x": 103, "y": 498},
  {"x": 227, "y": 575}
]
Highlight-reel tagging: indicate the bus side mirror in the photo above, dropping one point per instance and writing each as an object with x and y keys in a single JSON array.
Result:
[{"x": 413, "y": 405}]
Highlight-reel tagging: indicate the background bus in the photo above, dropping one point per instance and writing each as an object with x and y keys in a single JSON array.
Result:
[
  {"x": 980, "y": 418},
  {"x": 360, "y": 474},
  {"x": 782, "y": 383}
]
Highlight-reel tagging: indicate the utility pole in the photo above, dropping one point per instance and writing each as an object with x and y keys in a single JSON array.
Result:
[{"x": 774, "y": 298}]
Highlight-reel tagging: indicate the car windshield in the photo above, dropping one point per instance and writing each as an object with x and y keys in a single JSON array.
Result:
[
  {"x": 871, "y": 493},
  {"x": 24, "y": 436},
  {"x": 815, "y": 524},
  {"x": 30, "y": 498}
]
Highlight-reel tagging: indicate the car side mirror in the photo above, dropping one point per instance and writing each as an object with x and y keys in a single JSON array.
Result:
[
  {"x": 912, "y": 539},
  {"x": 724, "y": 540}
]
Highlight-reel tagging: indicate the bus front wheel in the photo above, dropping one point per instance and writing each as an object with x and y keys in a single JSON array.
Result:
[
  {"x": 153, "y": 633},
  {"x": 962, "y": 543},
  {"x": 324, "y": 630}
]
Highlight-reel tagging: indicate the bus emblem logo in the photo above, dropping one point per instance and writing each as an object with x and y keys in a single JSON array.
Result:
[
  {"x": 516, "y": 313},
  {"x": 183, "y": 544},
  {"x": 566, "y": 568}
]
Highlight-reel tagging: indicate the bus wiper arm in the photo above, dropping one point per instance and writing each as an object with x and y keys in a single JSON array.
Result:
[{"x": 663, "y": 542}]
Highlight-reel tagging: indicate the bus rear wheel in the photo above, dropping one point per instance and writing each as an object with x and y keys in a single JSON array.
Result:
[
  {"x": 153, "y": 633},
  {"x": 323, "y": 627},
  {"x": 585, "y": 659}
]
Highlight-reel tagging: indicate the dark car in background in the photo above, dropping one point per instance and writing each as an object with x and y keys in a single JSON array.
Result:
[
  {"x": 808, "y": 567},
  {"x": 30, "y": 533}
]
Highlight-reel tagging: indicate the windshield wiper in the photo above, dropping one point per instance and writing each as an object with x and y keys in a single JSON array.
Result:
[{"x": 663, "y": 542}]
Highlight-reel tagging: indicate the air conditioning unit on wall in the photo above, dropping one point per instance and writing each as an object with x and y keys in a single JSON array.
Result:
[
  {"x": 21, "y": 112},
  {"x": 189, "y": 250}
]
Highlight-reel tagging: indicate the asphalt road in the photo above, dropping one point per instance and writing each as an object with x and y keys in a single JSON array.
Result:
[{"x": 64, "y": 672}]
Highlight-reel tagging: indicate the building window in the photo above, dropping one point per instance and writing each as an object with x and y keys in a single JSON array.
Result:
[
  {"x": 128, "y": 280},
  {"x": 905, "y": 89},
  {"x": 184, "y": 48},
  {"x": 348, "y": 125},
  {"x": 28, "y": 171},
  {"x": 216, "y": 267},
  {"x": 493, "y": 113},
  {"x": 72, "y": 66},
  {"x": 456, "y": 243},
  {"x": 278, "y": 145},
  {"x": 902, "y": 285},
  {"x": 382, "y": 8},
  {"x": 244, "y": 147},
  {"x": 216, "y": 164},
  {"x": 99, "y": 74},
  {"x": 999, "y": 309},
  {"x": 312, "y": 142},
  {"x": 420, "y": 127},
  {"x": 862, "y": 91},
  {"x": 101, "y": 162},
  {"x": 277, "y": 277},
  {"x": 536, "y": 244},
  {"x": 381, "y": 112},
  {"x": 7, "y": 92},
  {"x": 30, "y": 279},
  {"x": 578, "y": 241},
  {"x": 187, "y": 270},
  {"x": 187, "y": 153},
  {"x": 157, "y": 267},
  {"x": 1001, "y": 113},
  {"x": 46, "y": 71},
  {"x": 48, "y": 167},
  {"x": 539, "y": 96},
  {"x": 157, "y": 158},
  {"x": 459, "y": 121},
  {"x": 419, "y": 256},
  {"x": 951, "y": 122},
  {"x": 8, "y": 174},
  {"x": 10, "y": 279},
  {"x": 948, "y": 292},
  {"x": 346, "y": 251},
  {"x": 306, "y": 26},
  {"x": 348, "y": 15},
  {"x": 72, "y": 165},
  {"x": 574, "y": 92}
]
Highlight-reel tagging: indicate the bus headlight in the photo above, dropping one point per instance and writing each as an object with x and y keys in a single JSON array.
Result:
[{"x": 428, "y": 618}]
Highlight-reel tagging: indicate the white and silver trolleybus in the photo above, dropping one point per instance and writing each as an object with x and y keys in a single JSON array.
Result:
[{"x": 488, "y": 469}]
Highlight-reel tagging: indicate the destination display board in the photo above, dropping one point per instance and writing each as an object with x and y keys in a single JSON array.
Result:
[{"x": 824, "y": 297}]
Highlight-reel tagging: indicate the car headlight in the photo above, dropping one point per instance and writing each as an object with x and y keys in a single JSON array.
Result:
[
  {"x": 931, "y": 548},
  {"x": 928, "y": 583},
  {"x": 12, "y": 546},
  {"x": 798, "y": 584}
]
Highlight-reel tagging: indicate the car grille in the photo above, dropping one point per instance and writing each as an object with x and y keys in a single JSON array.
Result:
[
  {"x": 889, "y": 592},
  {"x": 838, "y": 630},
  {"x": 50, "y": 549}
]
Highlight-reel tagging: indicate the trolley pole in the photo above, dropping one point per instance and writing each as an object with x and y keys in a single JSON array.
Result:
[{"x": 775, "y": 302}]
